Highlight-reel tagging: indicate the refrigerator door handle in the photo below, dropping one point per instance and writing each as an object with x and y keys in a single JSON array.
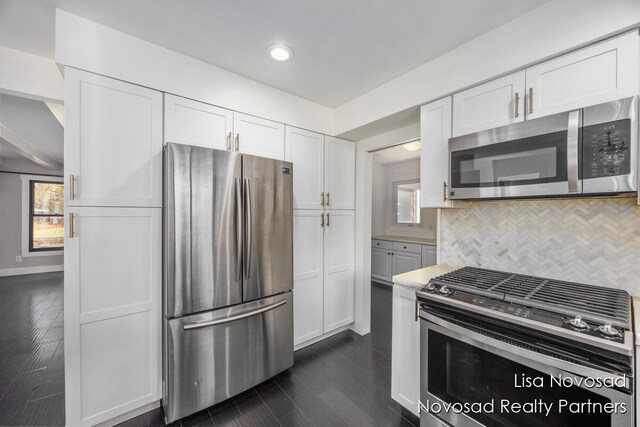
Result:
[
  {"x": 199, "y": 325},
  {"x": 247, "y": 228},
  {"x": 239, "y": 226}
]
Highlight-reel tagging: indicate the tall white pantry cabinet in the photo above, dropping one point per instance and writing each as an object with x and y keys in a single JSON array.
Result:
[
  {"x": 112, "y": 283},
  {"x": 323, "y": 233}
]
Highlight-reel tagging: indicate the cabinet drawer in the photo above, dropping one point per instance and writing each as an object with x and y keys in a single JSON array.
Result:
[
  {"x": 382, "y": 244},
  {"x": 407, "y": 247}
]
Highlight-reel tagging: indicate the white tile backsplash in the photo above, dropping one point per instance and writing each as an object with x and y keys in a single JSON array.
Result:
[{"x": 595, "y": 241}]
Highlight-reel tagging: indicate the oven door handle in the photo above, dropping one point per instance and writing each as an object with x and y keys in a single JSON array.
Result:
[
  {"x": 538, "y": 361},
  {"x": 573, "y": 133}
]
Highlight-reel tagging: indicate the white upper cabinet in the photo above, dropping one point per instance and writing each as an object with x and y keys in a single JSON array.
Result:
[
  {"x": 600, "y": 73},
  {"x": 339, "y": 272},
  {"x": 113, "y": 142},
  {"x": 435, "y": 131},
  {"x": 258, "y": 137},
  {"x": 305, "y": 150},
  {"x": 195, "y": 123},
  {"x": 496, "y": 103},
  {"x": 340, "y": 173}
]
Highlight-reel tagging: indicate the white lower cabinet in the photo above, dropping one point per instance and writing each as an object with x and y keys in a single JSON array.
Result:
[
  {"x": 323, "y": 271},
  {"x": 380, "y": 264},
  {"x": 112, "y": 311},
  {"x": 405, "y": 350},
  {"x": 390, "y": 258},
  {"x": 405, "y": 261},
  {"x": 428, "y": 256}
]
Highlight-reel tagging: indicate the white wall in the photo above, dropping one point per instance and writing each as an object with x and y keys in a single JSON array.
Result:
[
  {"x": 84, "y": 44},
  {"x": 552, "y": 29},
  {"x": 30, "y": 76},
  {"x": 11, "y": 221},
  {"x": 382, "y": 216}
]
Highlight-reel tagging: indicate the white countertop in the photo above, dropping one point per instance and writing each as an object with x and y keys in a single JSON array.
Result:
[
  {"x": 404, "y": 239},
  {"x": 418, "y": 278}
]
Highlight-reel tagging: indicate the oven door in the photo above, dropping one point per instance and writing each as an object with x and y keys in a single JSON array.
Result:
[
  {"x": 460, "y": 366},
  {"x": 534, "y": 158}
]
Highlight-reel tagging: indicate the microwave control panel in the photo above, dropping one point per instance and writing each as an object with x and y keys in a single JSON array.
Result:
[{"x": 606, "y": 149}]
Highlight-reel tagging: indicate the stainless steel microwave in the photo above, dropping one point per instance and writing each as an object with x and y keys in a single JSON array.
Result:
[{"x": 588, "y": 151}]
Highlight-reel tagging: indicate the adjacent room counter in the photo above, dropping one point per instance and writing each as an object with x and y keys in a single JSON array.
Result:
[{"x": 418, "y": 240}]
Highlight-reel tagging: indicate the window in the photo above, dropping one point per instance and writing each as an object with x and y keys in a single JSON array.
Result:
[
  {"x": 46, "y": 216},
  {"x": 407, "y": 202}
]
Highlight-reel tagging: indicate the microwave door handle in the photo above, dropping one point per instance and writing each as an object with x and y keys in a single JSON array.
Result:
[{"x": 573, "y": 132}]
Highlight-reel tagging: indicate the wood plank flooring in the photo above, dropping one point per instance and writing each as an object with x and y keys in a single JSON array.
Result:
[
  {"x": 342, "y": 381},
  {"x": 31, "y": 350}
]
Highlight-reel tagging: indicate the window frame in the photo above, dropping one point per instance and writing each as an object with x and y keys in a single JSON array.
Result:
[
  {"x": 394, "y": 190},
  {"x": 32, "y": 215},
  {"x": 26, "y": 217}
]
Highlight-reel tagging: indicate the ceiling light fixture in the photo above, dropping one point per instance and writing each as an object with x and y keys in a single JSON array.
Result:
[
  {"x": 280, "y": 52},
  {"x": 412, "y": 146}
]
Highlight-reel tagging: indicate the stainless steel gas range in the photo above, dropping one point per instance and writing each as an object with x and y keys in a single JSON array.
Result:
[{"x": 503, "y": 349}]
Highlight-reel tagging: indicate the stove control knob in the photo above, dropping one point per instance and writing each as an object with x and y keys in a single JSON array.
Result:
[
  {"x": 444, "y": 290},
  {"x": 430, "y": 287},
  {"x": 578, "y": 323},
  {"x": 609, "y": 331}
]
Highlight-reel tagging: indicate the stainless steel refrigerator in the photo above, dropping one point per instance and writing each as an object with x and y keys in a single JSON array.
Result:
[{"x": 228, "y": 275}]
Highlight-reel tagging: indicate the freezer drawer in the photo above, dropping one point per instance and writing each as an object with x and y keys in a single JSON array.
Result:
[{"x": 215, "y": 355}]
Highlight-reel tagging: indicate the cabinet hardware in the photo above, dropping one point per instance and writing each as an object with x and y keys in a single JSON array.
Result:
[
  {"x": 444, "y": 191},
  {"x": 328, "y": 215},
  {"x": 517, "y": 102},
  {"x": 530, "y": 100},
  {"x": 327, "y": 199},
  {"x": 72, "y": 187},
  {"x": 71, "y": 233},
  {"x": 229, "y": 142},
  {"x": 322, "y": 220},
  {"x": 322, "y": 197},
  {"x": 237, "y": 142}
]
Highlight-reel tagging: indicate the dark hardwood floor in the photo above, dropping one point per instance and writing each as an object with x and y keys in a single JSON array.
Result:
[
  {"x": 31, "y": 350},
  {"x": 342, "y": 381}
]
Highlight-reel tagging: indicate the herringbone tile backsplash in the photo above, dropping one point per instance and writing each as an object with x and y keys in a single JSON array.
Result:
[{"x": 595, "y": 241}]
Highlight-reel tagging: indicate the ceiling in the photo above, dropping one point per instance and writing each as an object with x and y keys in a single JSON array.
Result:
[
  {"x": 33, "y": 122},
  {"x": 343, "y": 48},
  {"x": 394, "y": 154}
]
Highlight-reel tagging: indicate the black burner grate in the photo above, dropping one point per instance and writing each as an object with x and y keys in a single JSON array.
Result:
[{"x": 593, "y": 303}]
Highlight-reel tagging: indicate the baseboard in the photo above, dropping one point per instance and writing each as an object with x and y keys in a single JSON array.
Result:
[
  {"x": 129, "y": 415},
  {"x": 322, "y": 337},
  {"x": 4, "y": 272}
]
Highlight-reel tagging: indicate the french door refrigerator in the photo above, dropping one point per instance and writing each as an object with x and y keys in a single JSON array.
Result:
[{"x": 228, "y": 275}]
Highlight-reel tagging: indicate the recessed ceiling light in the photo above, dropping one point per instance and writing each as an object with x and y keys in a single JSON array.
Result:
[
  {"x": 280, "y": 52},
  {"x": 412, "y": 146}
]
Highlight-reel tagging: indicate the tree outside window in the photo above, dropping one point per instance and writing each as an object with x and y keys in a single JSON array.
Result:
[{"x": 46, "y": 216}]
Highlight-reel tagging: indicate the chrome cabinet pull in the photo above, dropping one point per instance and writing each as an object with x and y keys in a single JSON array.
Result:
[
  {"x": 71, "y": 233},
  {"x": 72, "y": 187},
  {"x": 237, "y": 142},
  {"x": 444, "y": 191},
  {"x": 327, "y": 199},
  {"x": 322, "y": 198},
  {"x": 530, "y": 100},
  {"x": 198, "y": 325},
  {"x": 322, "y": 219},
  {"x": 517, "y": 107},
  {"x": 328, "y": 220},
  {"x": 229, "y": 142}
]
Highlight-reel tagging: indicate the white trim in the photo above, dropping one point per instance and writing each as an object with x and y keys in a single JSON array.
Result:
[
  {"x": 25, "y": 215},
  {"x": 30, "y": 270},
  {"x": 323, "y": 337},
  {"x": 129, "y": 415}
]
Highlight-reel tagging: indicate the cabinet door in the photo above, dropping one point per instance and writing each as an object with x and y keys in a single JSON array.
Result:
[
  {"x": 381, "y": 264},
  {"x": 405, "y": 261},
  {"x": 258, "y": 137},
  {"x": 195, "y": 123},
  {"x": 339, "y": 173},
  {"x": 405, "y": 350},
  {"x": 600, "y": 73},
  {"x": 496, "y": 103},
  {"x": 435, "y": 131},
  {"x": 112, "y": 312},
  {"x": 306, "y": 151},
  {"x": 112, "y": 142},
  {"x": 428, "y": 256},
  {"x": 339, "y": 274},
  {"x": 307, "y": 275}
]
